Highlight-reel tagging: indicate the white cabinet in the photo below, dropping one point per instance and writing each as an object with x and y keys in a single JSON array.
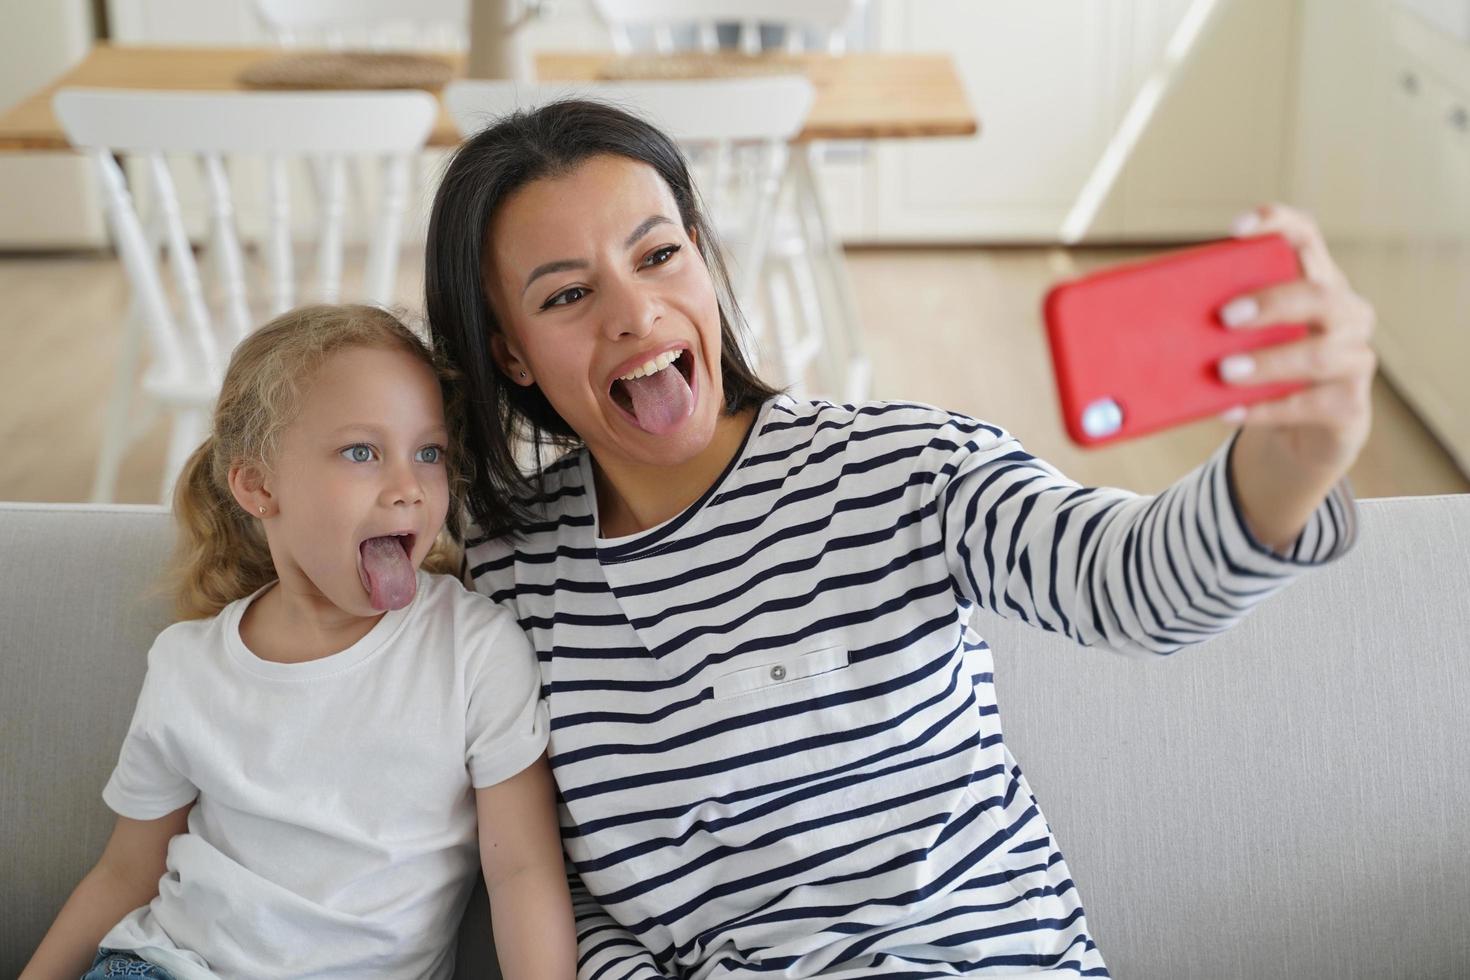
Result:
[
  {"x": 1050, "y": 81},
  {"x": 47, "y": 200},
  {"x": 1382, "y": 158},
  {"x": 1423, "y": 206}
]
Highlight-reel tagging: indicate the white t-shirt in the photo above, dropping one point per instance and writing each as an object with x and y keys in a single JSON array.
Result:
[{"x": 335, "y": 829}]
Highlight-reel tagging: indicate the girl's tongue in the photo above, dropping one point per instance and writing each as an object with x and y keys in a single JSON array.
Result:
[
  {"x": 387, "y": 573},
  {"x": 660, "y": 401}
]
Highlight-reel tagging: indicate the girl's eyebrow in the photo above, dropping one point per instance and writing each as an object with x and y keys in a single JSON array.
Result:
[
  {"x": 374, "y": 432},
  {"x": 562, "y": 265}
]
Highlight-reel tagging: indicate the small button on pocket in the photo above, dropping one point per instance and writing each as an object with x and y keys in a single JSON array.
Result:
[{"x": 788, "y": 669}]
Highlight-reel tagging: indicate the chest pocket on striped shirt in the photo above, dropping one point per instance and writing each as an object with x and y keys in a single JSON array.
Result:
[{"x": 783, "y": 670}]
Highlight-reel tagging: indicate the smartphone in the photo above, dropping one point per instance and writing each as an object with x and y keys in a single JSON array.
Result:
[{"x": 1136, "y": 348}]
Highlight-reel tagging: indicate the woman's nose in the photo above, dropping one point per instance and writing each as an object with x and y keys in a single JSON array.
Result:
[{"x": 632, "y": 312}]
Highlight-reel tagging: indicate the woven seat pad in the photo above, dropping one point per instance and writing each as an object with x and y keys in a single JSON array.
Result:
[
  {"x": 724, "y": 64},
  {"x": 349, "y": 70}
]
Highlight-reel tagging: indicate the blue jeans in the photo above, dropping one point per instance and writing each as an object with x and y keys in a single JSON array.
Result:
[{"x": 121, "y": 963}]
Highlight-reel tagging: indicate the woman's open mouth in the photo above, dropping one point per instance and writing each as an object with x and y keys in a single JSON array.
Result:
[{"x": 659, "y": 394}]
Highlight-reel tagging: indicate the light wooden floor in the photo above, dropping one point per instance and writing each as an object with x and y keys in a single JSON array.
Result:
[{"x": 957, "y": 328}]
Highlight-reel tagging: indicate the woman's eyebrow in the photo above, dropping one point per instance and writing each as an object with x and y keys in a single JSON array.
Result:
[
  {"x": 562, "y": 265},
  {"x": 649, "y": 222}
]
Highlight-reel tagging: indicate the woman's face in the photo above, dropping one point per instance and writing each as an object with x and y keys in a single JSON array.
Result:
[{"x": 607, "y": 305}]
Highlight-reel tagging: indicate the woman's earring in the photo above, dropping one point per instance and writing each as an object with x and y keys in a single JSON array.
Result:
[
  {"x": 262, "y": 510},
  {"x": 523, "y": 375}
]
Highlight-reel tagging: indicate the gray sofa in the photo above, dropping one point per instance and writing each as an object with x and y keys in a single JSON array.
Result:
[{"x": 1289, "y": 800}]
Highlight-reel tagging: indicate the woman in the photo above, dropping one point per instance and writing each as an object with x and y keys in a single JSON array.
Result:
[{"x": 773, "y": 731}]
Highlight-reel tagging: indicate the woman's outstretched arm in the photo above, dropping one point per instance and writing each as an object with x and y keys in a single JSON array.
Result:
[{"x": 1153, "y": 574}]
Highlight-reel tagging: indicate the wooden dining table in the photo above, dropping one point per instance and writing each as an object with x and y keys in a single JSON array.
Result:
[
  {"x": 858, "y": 96},
  {"x": 863, "y": 95}
]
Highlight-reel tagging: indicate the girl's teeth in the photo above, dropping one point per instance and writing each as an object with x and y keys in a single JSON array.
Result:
[{"x": 652, "y": 367}]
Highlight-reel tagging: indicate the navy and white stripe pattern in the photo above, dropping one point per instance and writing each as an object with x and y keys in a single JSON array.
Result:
[{"x": 774, "y": 732}]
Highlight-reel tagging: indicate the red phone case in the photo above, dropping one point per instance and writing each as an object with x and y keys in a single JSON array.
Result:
[{"x": 1136, "y": 347}]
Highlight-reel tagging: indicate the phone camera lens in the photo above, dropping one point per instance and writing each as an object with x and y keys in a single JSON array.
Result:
[{"x": 1102, "y": 418}]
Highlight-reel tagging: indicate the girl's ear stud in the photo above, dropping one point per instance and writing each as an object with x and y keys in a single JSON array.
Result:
[
  {"x": 262, "y": 510},
  {"x": 523, "y": 375}
]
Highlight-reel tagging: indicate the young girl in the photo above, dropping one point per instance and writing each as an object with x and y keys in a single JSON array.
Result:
[
  {"x": 773, "y": 729},
  {"x": 319, "y": 741}
]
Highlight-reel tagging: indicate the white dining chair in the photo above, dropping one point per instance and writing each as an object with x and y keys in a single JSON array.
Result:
[
  {"x": 804, "y": 248},
  {"x": 191, "y": 324},
  {"x": 374, "y": 25},
  {"x": 736, "y": 133}
]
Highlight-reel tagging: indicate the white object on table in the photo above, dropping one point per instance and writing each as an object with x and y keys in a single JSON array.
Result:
[
  {"x": 190, "y": 345},
  {"x": 829, "y": 18},
  {"x": 428, "y": 25}
]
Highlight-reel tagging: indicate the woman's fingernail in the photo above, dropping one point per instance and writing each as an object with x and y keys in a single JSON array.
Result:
[
  {"x": 1239, "y": 311},
  {"x": 1234, "y": 416},
  {"x": 1245, "y": 224},
  {"x": 1237, "y": 367}
]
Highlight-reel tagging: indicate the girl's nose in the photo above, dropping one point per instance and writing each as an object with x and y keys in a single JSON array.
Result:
[{"x": 403, "y": 486}]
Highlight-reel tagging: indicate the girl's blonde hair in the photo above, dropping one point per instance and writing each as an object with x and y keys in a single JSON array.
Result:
[{"x": 221, "y": 554}]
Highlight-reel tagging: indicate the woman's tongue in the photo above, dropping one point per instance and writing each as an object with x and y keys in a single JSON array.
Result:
[
  {"x": 660, "y": 401},
  {"x": 387, "y": 573}
]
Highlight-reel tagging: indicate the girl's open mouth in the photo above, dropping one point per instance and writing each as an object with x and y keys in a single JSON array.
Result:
[
  {"x": 658, "y": 395},
  {"x": 385, "y": 564}
]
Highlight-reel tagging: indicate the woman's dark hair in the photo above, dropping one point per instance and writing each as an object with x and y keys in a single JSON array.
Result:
[{"x": 550, "y": 141}]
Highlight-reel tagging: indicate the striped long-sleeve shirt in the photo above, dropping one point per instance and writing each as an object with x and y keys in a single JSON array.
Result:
[{"x": 773, "y": 729}]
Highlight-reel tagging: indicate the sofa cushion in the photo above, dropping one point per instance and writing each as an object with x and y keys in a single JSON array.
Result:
[
  {"x": 1288, "y": 800},
  {"x": 1291, "y": 799}
]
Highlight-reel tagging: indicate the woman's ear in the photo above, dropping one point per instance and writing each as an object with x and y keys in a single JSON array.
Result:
[
  {"x": 510, "y": 361},
  {"x": 248, "y": 485}
]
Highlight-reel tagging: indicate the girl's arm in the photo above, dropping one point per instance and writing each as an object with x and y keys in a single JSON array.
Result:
[
  {"x": 520, "y": 853},
  {"x": 124, "y": 878}
]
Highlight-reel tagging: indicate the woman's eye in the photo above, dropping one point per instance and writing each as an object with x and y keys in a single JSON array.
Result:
[
  {"x": 662, "y": 255},
  {"x": 430, "y": 454},
  {"x": 358, "y": 453},
  {"x": 565, "y": 298}
]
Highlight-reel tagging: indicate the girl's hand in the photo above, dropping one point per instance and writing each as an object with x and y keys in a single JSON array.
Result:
[{"x": 1292, "y": 451}]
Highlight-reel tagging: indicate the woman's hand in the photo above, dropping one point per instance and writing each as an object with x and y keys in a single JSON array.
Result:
[{"x": 1292, "y": 451}]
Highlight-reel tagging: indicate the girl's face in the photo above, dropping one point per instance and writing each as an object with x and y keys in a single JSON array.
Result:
[
  {"x": 606, "y": 304},
  {"x": 359, "y": 490}
]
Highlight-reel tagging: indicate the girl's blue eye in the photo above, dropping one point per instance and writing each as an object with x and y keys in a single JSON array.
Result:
[
  {"x": 566, "y": 297},
  {"x": 358, "y": 453},
  {"x": 662, "y": 255},
  {"x": 430, "y": 454}
]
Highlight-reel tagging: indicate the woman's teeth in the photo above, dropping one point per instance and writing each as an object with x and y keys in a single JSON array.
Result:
[{"x": 653, "y": 367}]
